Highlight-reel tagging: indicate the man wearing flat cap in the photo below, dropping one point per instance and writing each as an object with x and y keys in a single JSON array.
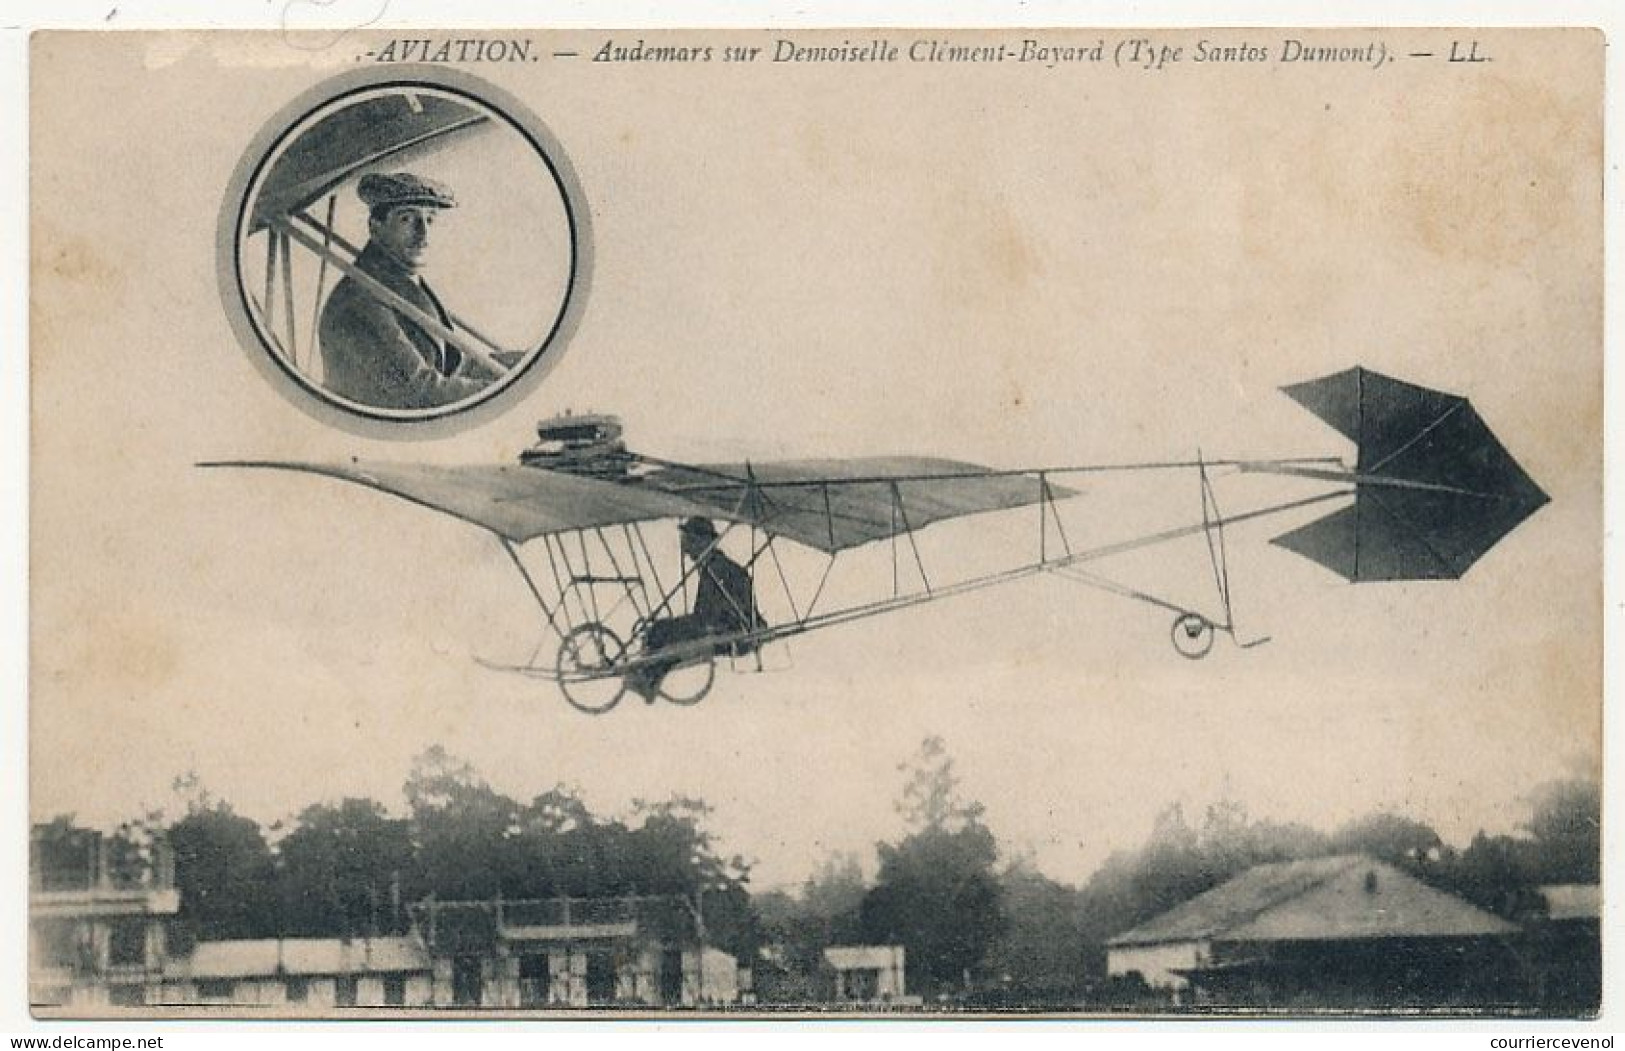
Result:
[
  {"x": 724, "y": 605},
  {"x": 373, "y": 352}
]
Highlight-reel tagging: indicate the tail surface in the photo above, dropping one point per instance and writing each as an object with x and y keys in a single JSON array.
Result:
[{"x": 1434, "y": 489}]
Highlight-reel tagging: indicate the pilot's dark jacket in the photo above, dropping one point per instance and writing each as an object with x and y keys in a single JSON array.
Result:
[
  {"x": 723, "y": 600},
  {"x": 723, "y": 606},
  {"x": 376, "y": 356}
]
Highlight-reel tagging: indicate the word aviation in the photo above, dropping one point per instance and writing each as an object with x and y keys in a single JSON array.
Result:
[{"x": 1431, "y": 490}]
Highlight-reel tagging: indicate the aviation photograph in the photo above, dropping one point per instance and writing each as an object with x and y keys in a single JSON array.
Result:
[{"x": 901, "y": 530}]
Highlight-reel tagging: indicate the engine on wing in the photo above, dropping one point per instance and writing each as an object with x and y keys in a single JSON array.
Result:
[{"x": 589, "y": 444}]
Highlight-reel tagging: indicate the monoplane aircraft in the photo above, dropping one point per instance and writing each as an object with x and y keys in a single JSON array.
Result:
[{"x": 1430, "y": 491}]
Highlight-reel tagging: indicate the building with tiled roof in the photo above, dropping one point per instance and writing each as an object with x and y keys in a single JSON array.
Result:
[{"x": 1337, "y": 931}]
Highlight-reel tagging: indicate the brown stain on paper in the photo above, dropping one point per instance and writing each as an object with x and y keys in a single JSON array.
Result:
[
  {"x": 128, "y": 653},
  {"x": 70, "y": 275},
  {"x": 986, "y": 257},
  {"x": 68, "y": 262},
  {"x": 1486, "y": 196}
]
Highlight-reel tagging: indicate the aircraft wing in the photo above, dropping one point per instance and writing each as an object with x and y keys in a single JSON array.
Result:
[
  {"x": 394, "y": 127},
  {"x": 828, "y": 505},
  {"x": 515, "y": 502},
  {"x": 831, "y": 505}
]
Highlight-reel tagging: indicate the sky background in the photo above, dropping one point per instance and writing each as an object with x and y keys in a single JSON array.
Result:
[{"x": 1010, "y": 266}]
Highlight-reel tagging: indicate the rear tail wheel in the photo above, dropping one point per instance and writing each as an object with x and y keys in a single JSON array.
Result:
[
  {"x": 588, "y": 669},
  {"x": 1192, "y": 635}
]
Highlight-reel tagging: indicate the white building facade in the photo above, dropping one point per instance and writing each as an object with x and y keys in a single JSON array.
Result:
[
  {"x": 97, "y": 937},
  {"x": 868, "y": 973}
]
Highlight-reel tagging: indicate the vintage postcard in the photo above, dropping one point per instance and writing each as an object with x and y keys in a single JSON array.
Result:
[{"x": 790, "y": 522}]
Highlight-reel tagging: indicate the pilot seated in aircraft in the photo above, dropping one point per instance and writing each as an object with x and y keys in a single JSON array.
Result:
[
  {"x": 724, "y": 606},
  {"x": 373, "y": 353}
]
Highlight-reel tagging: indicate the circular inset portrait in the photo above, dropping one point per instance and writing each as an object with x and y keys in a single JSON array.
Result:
[{"x": 405, "y": 252}]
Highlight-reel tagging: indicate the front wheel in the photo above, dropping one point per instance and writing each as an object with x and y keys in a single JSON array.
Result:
[{"x": 588, "y": 669}]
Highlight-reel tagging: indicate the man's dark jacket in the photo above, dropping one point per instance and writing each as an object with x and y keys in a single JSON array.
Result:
[{"x": 374, "y": 355}]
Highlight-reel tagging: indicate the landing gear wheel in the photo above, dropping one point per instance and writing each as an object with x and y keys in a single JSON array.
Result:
[
  {"x": 692, "y": 682},
  {"x": 1193, "y": 635},
  {"x": 586, "y": 668}
]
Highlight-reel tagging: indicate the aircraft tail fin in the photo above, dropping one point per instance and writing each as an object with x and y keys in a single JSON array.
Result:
[{"x": 1434, "y": 489}]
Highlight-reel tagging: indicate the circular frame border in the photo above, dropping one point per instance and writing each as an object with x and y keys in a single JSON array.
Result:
[{"x": 306, "y": 396}]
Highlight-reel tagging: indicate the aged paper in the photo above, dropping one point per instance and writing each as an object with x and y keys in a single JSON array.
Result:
[{"x": 867, "y": 252}]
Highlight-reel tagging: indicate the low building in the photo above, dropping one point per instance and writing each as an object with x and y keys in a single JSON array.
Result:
[
  {"x": 573, "y": 953},
  {"x": 97, "y": 929},
  {"x": 301, "y": 973},
  {"x": 867, "y": 973},
  {"x": 1345, "y": 931}
]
